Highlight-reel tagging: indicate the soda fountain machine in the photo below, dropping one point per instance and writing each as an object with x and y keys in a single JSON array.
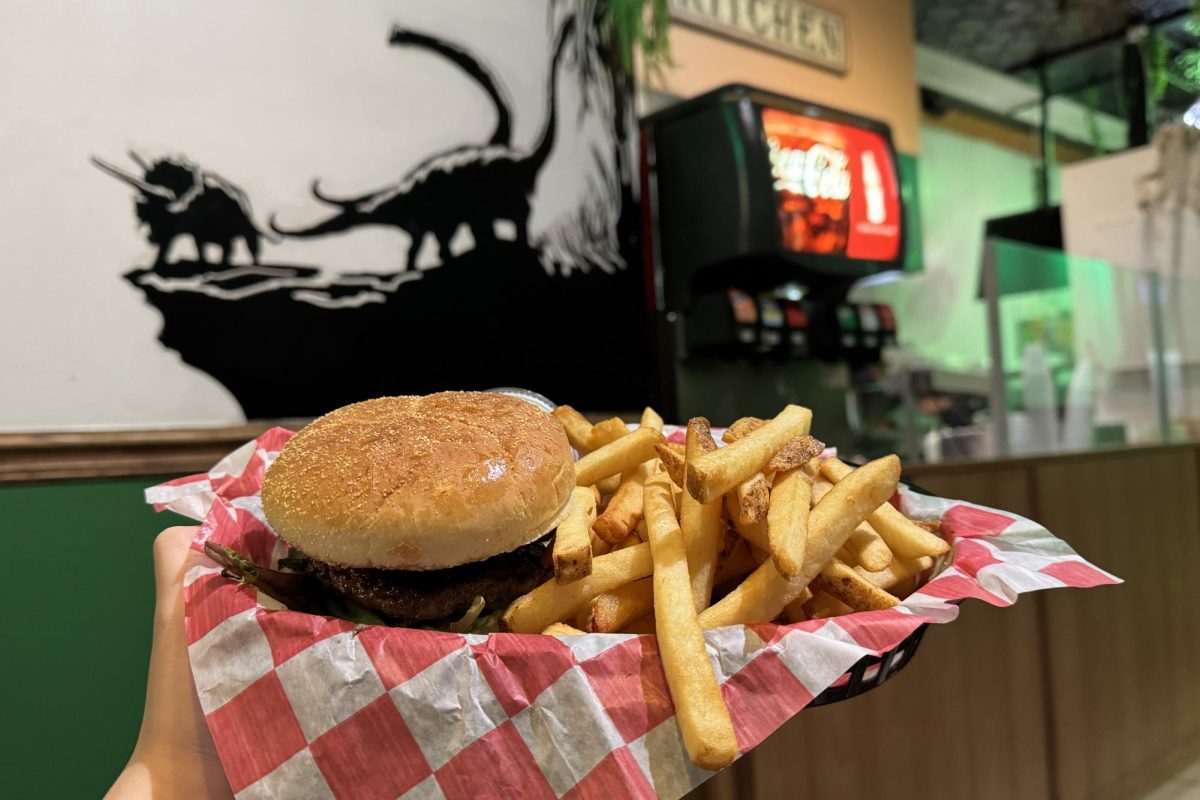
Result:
[{"x": 761, "y": 213}]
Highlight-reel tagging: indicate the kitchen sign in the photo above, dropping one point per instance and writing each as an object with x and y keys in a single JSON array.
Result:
[{"x": 792, "y": 28}]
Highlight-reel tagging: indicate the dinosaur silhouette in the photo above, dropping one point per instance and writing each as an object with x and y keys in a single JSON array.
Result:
[
  {"x": 177, "y": 198},
  {"x": 473, "y": 184},
  {"x": 469, "y": 64}
]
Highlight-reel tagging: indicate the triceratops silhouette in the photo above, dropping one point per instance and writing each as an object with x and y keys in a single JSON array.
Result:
[{"x": 177, "y": 198}]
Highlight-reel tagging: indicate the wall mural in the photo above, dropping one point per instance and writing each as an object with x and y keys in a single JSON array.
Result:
[
  {"x": 511, "y": 243},
  {"x": 177, "y": 198},
  {"x": 473, "y": 185}
]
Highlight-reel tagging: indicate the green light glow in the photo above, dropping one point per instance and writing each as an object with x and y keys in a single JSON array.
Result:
[{"x": 1065, "y": 302}]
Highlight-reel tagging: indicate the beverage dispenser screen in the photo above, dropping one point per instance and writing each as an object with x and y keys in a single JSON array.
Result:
[{"x": 835, "y": 185}]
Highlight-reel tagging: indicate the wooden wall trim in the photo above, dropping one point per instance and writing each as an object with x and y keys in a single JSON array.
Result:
[{"x": 26, "y": 457}]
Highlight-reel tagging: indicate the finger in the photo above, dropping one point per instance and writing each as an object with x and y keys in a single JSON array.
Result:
[
  {"x": 173, "y": 720},
  {"x": 170, "y": 557}
]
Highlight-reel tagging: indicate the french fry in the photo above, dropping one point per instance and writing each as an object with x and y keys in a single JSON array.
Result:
[
  {"x": 794, "y": 611},
  {"x": 765, "y": 593},
  {"x": 552, "y": 602},
  {"x": 579, "y": 430},
  {"x": 703, "y": 718},
  {"x": 740, "y": 428},
  {"x": 753, "y": 497},
  {"x": 703, "y": 533},
  {"x": 796, "y": 453},
  {"x": 787, "y": 521},
  {"x": 582, "y": 616},
  {"x": 562, "y": 629},
  {"x": 651, "y": 419},
  {"x": 824, "y": 605},
  {"x": 643, "y": 627},
  {"x": 606, "y": 432},
  {"x": 612, "y": 611},
  {"x": 617, "y": 456},
  {"x": 738, "y": 564},
  {"x": 678, "y": 447},
  {"x": 899, "y": 570},
  {"x": 672, "y": 461},
  {"x": 903, "y": 536},
  {"x": 641, "y": 531},
  {"x": 904, "y": 588},
  {"x": 756, "y": 534},
  {"x": 867, "y": 549},
  {"x": 628, "y": 541},
  {"x": 599, "y": 546},
  {"x": 713, "y": 474},
  {"x": 847, "y": 585},
  {"x": 609, "y": 485},
  {"x": 821, "y": 488},
  {"x": 572, "y": 552},
  {"x": 624, "y": 511}
]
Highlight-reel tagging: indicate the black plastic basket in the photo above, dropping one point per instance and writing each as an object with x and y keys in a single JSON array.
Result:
[{"x": 871, "y": 671}]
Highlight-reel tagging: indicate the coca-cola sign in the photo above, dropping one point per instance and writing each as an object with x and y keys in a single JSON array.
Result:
[
  {"x": 818, "y": 172},
  {"x": 836, "y": 187}
]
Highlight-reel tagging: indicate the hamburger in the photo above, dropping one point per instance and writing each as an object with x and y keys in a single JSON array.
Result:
[{"x": 424, "y": 509}]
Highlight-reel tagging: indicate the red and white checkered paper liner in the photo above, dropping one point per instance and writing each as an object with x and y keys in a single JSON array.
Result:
[{"x": 309, "y": 706}]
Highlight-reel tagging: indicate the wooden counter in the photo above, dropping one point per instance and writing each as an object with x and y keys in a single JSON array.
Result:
[{"x": 1068, "y": 694}]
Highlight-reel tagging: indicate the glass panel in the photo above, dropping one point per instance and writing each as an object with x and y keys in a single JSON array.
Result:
[{"x": 1090, "y": 326}]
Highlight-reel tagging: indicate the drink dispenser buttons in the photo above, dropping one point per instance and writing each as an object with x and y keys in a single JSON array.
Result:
[
  {"x": 723, "y": 323},
  {"x": 745, "y": 316},
  {"x": 869, "y": 322},
  {"x": 796, "y": 318},
  {"x": 887, "y": 321},
  {"x": 848, "y": 326},
  {"x": 771, "y": 318}
]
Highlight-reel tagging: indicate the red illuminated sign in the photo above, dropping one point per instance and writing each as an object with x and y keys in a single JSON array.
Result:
[{"x": 836, "y": 187}]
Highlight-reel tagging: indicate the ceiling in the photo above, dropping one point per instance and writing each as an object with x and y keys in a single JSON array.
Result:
[
  {"x": 1068, "y": 38},
  {"x": 1003, "y": 34}
]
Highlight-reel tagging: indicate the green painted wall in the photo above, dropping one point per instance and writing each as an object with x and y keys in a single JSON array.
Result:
[
  {"x": 77, "y": 598},
  {"x": 914, "y": 245},
  {"x": 960, "y": 182}
]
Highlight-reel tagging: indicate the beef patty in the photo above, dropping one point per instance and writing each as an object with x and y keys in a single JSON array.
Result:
[{"x": 411, "y": 596}]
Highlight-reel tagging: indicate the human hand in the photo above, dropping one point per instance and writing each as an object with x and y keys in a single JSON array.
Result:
[{"x": 174, "y": 755}]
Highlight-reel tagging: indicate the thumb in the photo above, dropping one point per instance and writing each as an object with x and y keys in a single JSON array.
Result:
[
  {"x": 173, "y": 718},
  {"x": 169, "y": 686},
  {"x": 170, "y": 559},
  {"x": 174, "y": 755}
]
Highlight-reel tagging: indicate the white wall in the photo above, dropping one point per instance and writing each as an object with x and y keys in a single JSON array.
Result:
[{"x": 269, "y": 95}]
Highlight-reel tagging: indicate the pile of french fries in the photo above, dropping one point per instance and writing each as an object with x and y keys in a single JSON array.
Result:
[{"x": 672, "y": 540}]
